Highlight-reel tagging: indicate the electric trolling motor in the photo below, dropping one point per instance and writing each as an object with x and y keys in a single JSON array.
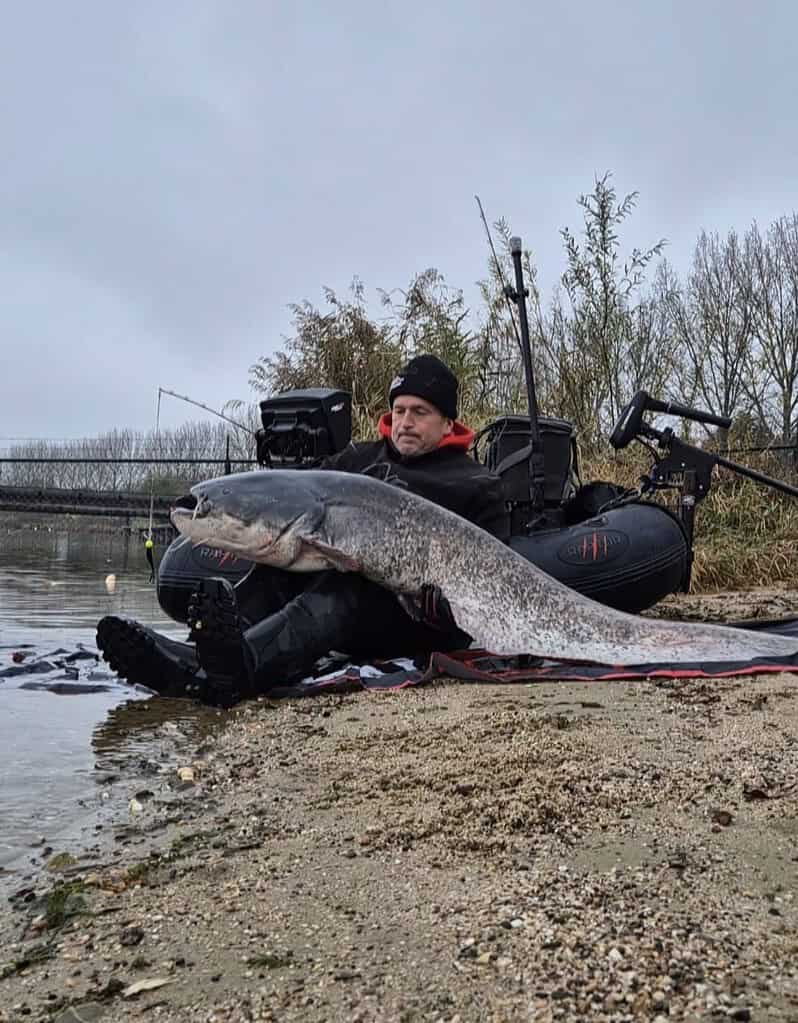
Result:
[{"x": 683, "y": 467}]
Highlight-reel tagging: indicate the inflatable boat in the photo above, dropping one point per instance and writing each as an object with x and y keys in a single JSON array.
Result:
[{"x": 624, "y": 552}]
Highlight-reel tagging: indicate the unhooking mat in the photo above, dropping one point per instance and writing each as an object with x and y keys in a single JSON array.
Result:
[{"x": 475, "y": 665}]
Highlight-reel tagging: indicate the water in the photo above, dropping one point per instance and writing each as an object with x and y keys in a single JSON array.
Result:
[{"x": 52, "y": 593}]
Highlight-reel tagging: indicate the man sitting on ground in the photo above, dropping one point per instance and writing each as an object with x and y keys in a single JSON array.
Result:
[{"x": 273, "y": 627}]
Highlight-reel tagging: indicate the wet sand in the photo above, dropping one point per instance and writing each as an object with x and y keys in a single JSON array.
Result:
[{"x": 460, "y": 852}]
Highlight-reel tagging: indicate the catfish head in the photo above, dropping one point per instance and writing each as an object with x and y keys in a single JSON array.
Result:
[{"x": 274, "y": 517}]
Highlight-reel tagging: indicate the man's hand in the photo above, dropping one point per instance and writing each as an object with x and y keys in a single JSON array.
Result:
[
  {"x": 429, "y": 607},
  {"x": 435, "y": 609}
]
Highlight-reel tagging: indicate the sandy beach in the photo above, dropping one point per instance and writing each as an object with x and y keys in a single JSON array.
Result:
[{"x": 458, "y": 852}]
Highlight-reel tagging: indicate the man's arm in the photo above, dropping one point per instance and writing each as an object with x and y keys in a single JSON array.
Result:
[{"x": 343, "y": 461}]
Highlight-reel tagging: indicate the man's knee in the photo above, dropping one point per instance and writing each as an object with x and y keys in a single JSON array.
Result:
[{"x": 266, "y": 590}]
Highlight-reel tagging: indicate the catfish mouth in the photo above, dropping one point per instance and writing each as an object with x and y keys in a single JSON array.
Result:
[
  {"x": 186, "y": 511},
  {"x": 184, "y": 507},
  {"x": 191, "y": 507},
  {"x": 187, "y": 503},
  {"x": 191, "y": 514}
]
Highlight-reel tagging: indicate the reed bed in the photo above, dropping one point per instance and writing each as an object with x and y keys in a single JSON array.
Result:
[{"x": 746, "y": 535}]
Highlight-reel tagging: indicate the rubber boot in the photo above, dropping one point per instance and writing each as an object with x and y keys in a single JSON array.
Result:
[
  {"x": 280, "y": 650},
  {"x": 144, "y": 657}
]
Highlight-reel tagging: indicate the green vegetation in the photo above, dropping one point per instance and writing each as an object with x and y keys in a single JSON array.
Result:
[
  {"x": 270, "y": 961},
  {"x": 63, "y": 902},
  {"x": 35, "y": 954},
  {"x": 725, "y": 337}
]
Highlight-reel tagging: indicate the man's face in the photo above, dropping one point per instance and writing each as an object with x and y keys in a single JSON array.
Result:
[{"x": 417, "y": 426}]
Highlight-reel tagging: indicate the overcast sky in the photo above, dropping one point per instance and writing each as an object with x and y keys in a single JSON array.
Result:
[{"x": 174, "y": 174}]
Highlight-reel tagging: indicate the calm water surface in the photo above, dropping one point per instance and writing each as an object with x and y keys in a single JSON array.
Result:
[{"x": 53, "y": 747}]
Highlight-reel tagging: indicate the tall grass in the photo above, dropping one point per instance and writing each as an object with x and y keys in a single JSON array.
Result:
[{"x": 746, "y": 534}]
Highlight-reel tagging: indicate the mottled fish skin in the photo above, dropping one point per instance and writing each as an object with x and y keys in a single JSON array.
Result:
[{"x": 402, "y": 541}]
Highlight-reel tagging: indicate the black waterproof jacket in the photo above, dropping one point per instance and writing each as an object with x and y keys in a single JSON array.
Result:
[{"x": 448, "y": 475}]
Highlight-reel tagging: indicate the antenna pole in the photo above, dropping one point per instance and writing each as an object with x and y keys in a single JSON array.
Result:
[
  {"x": 519, "y": 297},
  {"x": 537, "y": 477}
]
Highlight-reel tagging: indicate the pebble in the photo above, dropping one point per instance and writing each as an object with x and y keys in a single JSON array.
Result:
[{"x": 131, "y": 935}]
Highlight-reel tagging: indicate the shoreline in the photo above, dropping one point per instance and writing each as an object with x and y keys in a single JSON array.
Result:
[{"x": 455, "y": 852}]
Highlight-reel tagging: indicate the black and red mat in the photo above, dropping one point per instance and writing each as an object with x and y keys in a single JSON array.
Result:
[{"x": 482, "y": 666}]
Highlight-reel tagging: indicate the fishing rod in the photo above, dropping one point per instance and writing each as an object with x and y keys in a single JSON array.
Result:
[
  {"x": 518, "y": 295},
  {"x": 199, "y": 404},
  {"x": 227, "y": 461},
  {"x": 506, "y": 289}
]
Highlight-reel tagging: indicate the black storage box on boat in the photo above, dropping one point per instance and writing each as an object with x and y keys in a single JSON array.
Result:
[
  {"x": 507, "y": 439},
  {"x": 300, "y": 428}
]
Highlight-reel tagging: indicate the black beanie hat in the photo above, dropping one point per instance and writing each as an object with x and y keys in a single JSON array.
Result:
[{"x": 429, "y": 378}]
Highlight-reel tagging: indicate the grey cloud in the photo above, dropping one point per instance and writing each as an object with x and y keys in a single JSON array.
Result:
[{"x": 174, "y": 175}]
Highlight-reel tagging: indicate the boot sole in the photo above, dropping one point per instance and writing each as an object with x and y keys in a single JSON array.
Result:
[{"x": 135, "y": 654}]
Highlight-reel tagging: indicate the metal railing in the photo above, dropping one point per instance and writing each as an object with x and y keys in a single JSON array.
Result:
[{"x": 95, "y": 502}]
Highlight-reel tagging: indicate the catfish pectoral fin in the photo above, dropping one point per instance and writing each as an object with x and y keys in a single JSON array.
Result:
[{"x": 336, "y": 559}]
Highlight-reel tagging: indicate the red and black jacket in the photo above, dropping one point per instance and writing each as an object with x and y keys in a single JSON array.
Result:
[{"x": 448, "y": 475}]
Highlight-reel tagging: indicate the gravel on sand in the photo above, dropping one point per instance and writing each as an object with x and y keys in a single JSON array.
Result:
[{"x": 602, "y": 851}]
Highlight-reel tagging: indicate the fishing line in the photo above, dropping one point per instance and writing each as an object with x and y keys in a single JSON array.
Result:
[
  {"x": 199, "y": 404},
  {"x": 152, "y": 474},
  {"x": 148, "y": 544},
  {"x": 506, "y": 289},
  {"x": 148, "y": 541}
]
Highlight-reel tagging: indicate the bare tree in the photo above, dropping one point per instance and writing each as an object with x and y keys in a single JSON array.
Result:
[
  {"x": 192, "y": 440},
  {"x": 772, "y": 294},
  {"x": 650, "y": 350},
  {"x": 713, "y": 325}
]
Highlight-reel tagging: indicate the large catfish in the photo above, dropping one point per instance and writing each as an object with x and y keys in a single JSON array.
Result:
[{"x": 307, "y": 520}]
